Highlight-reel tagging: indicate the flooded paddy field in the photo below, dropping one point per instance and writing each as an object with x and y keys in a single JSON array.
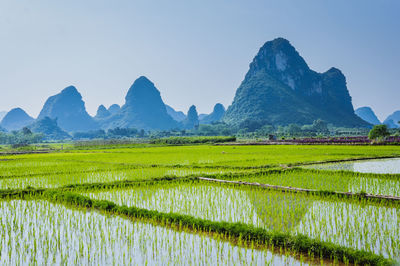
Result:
[{"x": 148, "y": 206}]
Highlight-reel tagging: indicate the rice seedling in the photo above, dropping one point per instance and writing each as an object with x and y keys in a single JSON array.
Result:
[
  {"x": 313, "y": 216},
  {"x": 205, "y": 155},
  {"x": 104, "y": 176},
  {"x": 185, "y": 221},
  {"x": 40, "y": 233},
  {"x": 377, "y": 184}
]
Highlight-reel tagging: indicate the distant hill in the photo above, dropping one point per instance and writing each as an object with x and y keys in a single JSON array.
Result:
[
  {"x": 69, "y": 109},
  {"x": 192, "y": 118},
  {"x": 366, "y": 114},
  {"x": 176, "y": 115},
  {"x": 216, "y": 115},
  {"x": 2, "y": 114},
  {"x": 49, "y": 128},
  {"x": 392, "y": 121},
  {"x": 114, "y": 108},
  {"x": 102, "y": 112},
  {"x": 143, "y": 109},
  {"x": 281, "y": 89},
  {"x": 201, "y": 116},
  {"x": 16, "y": 119}
]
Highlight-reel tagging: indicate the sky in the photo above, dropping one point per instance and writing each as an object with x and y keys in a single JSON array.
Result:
[{"x": 195, "y": 52}]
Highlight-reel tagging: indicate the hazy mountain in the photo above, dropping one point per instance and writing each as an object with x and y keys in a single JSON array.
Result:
[
  {"x": 192, "y": 118},
  {"x": 3, "y": 129},
  {"x": 113, "y": 109},
  {"x": 16, "y": 119},
  {"x": 49, "y": 128},
  {"x": 201, "y": 116},
  {"x": 143, "y": 109},
  {"x": 102, "y": 112},
  {"x": 368, "y": 115},
  {"x": 392, "y": 121},
  {"x": 280, "y": 89},
  {"x": 2, "y": 114},
  {"x": 176, "y": 115},
  {"x": 69, "y": 109},
  {"x": 216, "y": 115}
]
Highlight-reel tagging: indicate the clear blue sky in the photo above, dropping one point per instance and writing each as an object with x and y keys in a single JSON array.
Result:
[{"x": 196, "y": 52}]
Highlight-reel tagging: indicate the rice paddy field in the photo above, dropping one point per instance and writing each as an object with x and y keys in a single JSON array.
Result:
[{"x": 202, "y": 205}]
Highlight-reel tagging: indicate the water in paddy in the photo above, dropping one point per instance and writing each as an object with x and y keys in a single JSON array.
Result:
[
  {"x": 41, "y": 233},
  {"x": 377, "y": 166},
  {"x": 354, "y": 224}
]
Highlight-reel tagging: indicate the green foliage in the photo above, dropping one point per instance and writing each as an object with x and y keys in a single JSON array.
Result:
[
  {"x": 49, "y": 128},
  {"x": 26, "y": 131},
  {"x": 20, "y": 138},
  {"x": 116, "y": 133},
  {"x": 93, "y": 134},
  {"x": 215, "y": 129},
  {"x": 320, "y": 126},
  {"x": 123, "y": 132},
  {"x": 294, "y": 130},
  {"x": 193, "y": 140},
  {"x": 378, "y": 131}
]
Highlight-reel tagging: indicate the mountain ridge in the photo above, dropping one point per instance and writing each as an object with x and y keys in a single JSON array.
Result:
[
  {"x": 279, "y": 88},
  {"x": 143, "y": 109},
  {"x": 2, "y": 114},
  {"x": 215, "y": 116},
  {"x": 176, "y": 115},
  {"x": 16, "y": 119},
  {"x": 69, "y": 110},
  {"x": 392, "y": 121},
  {"x": 367, "y": 114}
]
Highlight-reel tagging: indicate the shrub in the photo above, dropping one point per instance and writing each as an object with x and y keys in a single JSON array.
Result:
[{"x": 378, "y": 132}]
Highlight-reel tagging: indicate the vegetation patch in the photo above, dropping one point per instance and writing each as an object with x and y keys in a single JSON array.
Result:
[{"x": 192, "y": 140}]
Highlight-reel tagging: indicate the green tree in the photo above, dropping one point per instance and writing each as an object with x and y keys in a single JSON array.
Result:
[
  {"x": 294, "y": 130},
  {"x": 142, "y": 133},
  {"x": 320, "y": 126},
  {"x": 378, "y": 131},
  {"x": 26, "y": 131}
]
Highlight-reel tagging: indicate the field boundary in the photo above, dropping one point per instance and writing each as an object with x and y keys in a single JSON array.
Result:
[
  {"x": 305, "y": 190},
  {"x": 240, "y": 231},
  {"x": 346, "y": 160}
]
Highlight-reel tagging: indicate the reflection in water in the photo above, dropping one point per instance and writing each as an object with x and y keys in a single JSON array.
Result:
[
  {"x": 210, "y": 202},
  {"x": 279, "y": 211},
  {"x": 377, "y": 186},
  {"x": 360, "y": 226},
  {"x": 41, "y": 233},
  {"x": 381, "y": 166},
  {"x": 355, "y": 224}
]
